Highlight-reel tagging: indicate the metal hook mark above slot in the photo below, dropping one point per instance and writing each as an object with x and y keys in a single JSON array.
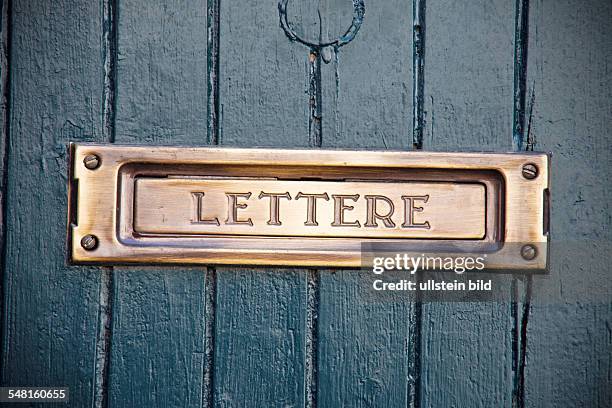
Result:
[{"x": 347, "y": 37}]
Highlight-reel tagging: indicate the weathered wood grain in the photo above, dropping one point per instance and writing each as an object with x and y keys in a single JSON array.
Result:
[
  {"x": 260, "y": 337},
  {"x": 365, "y": 348},
  {"x": 365, "y": 343},
  {"x": 367, "y": 86},
  {"x": 4, "y": 111},
  {"x": 569, "y": 341},
  {"x": 263, "y": 78},
  {"x": 269, "y": 326},
  {"x": 162, "y": 73},
  {"x": 4, "y": 123},
  {"x": 467, "y": 357},
  {"x": 469, "y": 75},
  {"x": 260, "y": 331},
  {"x": 50, "y": 310},
  {"x": 158, "y": 321}
]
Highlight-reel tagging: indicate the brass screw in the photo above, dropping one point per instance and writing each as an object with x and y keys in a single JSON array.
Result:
[
  {"x": 89, "y": 242},
  {"x": 530, "y": 171},
  {"x": 91, "y": 161},
  {"x": 529, "y": 252}
]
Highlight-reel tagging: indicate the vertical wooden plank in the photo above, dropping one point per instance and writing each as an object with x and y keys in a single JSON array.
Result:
[
  {"x": 469, "y": 75},
  {"x": 162, "y": 73},
  {"x": 4, "y": 110},
  {"x": 467, "y": 354},
  {"x": 50, "y": 309},
  {"x": 5, "y": 14},
  {"x": 260, "y": 337},
  {"x": 366, "y": 339},
  {"x": 158, "y": 323},
  {"x": 367, "y": 86},
  {"x": 570, "y": 88},
  {"x": 261, "y": 313},
  {"x": 263, "y": 78},
  {"x": 364, "y": 343}
]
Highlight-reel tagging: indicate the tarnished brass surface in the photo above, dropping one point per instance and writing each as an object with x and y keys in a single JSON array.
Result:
[
  {"x": 309, "y": 208},
  {"x": 300, "y": 207}
]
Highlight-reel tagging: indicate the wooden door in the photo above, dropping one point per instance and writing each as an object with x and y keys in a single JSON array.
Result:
[{"x": 494, "y": 75}]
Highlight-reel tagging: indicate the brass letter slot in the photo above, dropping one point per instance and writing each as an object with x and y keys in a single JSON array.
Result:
[
  {"x": 297, "y": 207},
  {"x": 309, "y": 208}
]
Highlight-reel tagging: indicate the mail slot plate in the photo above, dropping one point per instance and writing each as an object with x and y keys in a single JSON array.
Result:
[
  {"x": 199, "y": 206},
  {"x": 255, "y": 206}
]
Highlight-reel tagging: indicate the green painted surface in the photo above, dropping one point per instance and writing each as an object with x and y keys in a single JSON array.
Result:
[
  {"x": 365, "y": 342},
  {"x": 50, "y": 311},
  {"x": 260, "y": 331},
  {"x": 467, "y": 354},
  {"x": 234, "y": 336},
  {"x": 157, "y": 352},
  {"x": 569, "y": 334}
]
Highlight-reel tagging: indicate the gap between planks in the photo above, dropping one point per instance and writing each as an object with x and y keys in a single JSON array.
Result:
[
  {"x": 521, "y": 140},
  {"x": 105, "y": 293},
  {"x": 212, "y": 130}
]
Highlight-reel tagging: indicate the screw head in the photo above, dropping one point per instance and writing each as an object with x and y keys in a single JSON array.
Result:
[
  {"x": 91, "y": 161},
  {"x": 529, "y": 252},
  {"x": 530, "y": 171},
  {"x": 89, "y": 242}
]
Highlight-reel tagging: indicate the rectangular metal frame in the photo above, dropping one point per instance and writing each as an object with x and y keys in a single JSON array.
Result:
[{"x": 102, "y": 202}]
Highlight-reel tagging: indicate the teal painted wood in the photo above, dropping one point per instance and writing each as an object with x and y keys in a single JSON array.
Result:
[
  {"x": 4, "y": 122},
  {"x": 270, "y": 326},
  {"x": 467, "y": 355},
  {"x": 50, "y": 310},
  {"x": 366, "y": 340},
  {"x": 365, "y": 344},
  {"x": 367, "y": 88},
  {"x": 4, "y": 119},
  {"x": 263, "y": 78},
  {"x": 158, "y": 323},
  {"x": 568, "y": 359},
  {"x": 260, "y": 328},
  {"x": 469, "y": 75},
  {"x": 260, "y": 337}
]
